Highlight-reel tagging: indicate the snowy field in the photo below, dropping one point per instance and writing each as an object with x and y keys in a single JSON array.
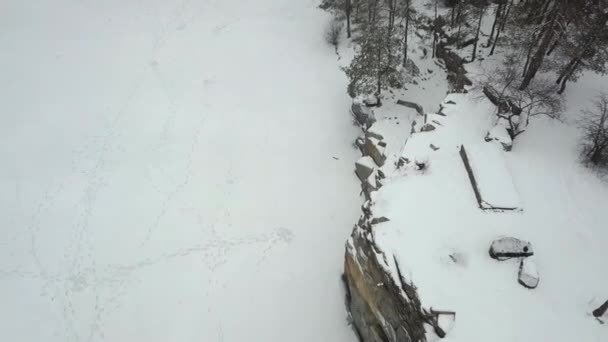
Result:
[{"x": 167, "y": 172}]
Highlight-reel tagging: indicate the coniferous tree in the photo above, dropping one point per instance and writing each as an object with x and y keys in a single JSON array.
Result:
[{"x": 375, "y": 65}]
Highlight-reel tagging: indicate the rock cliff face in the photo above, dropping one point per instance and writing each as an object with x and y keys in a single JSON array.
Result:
[{"x": 383, "y": 308}]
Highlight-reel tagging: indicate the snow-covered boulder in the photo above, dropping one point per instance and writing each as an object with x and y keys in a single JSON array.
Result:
[
  {"x": 377, "y": 220},
  {"x": 427, "y": 127},
  {"x": 364, "y": 167},
  {"x": 418, "y": 108},
  {"x": 374, "y": 148},
  {"x": 362, "y": 114},
  {"x": 528, "y": 274},
  {"x": 372, "y": 132},
  {"x": 510, "y": 247},
  {"x": 500, "y": 134}
]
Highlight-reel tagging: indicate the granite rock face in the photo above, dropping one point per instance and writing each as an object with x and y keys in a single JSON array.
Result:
[{"x": 383, "y": 309}]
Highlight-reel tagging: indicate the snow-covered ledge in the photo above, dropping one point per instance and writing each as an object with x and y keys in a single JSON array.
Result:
[{"x": 382, "y": 308}]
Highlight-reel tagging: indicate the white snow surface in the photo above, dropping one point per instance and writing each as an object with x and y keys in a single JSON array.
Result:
[
  {"x": 492, "y": 176},
  {"x": 167, "y": 173}
]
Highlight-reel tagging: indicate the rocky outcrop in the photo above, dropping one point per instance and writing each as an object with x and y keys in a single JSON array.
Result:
[
  {"x": 364, "y": 167},
  {"x": 362, "y": 114},
  {"x": 376, "y": 149},
  {"x": 454, "y": 65},
  {"x": 383, "y": 307}
]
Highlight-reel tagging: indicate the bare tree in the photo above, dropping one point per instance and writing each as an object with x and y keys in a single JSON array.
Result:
[
  {"x": 594, "y": 124},
  {"x": 435, "y": 33},
  {"x": 497, "y": 15},
  {"x": 407, "y": 13},
  {"x": 348, "y": 8},
  {"x": 501, "y": 25},
  {"x": 516, "y": 106},
  {"x": 333, "y": 32}
]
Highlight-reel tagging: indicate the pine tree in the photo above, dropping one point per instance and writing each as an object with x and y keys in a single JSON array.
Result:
[{"x": 375, "y": 65}]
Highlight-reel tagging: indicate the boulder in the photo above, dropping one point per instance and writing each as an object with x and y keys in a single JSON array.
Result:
[
  {"x": 510, "y": 247},
  {"x": 371, "y": 101},
  {"x": 362, "y": 114},
  {"x": 364, "y": 167},
  {"x": 454, "y": 65},
  {"x": 500, "y": 134},
  {"x": 369, "y": 185},
  {"x": 360, "y": 143},
  {"x": 418, "y": 108},
  {"x": 373, "y": 133},
  {"x": 401, "y": 162},
  {"x": 528, "y": 274},
  {"x": 375, "y": 150},
  {"x": 427, "y": 127},
  {"x": 412, "y": 69}
]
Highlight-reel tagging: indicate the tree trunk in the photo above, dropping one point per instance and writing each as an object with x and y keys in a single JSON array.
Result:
[
  {"x": 565, "y": 71},
  {"x": 407, "y": 24},
  {"x": 435, "y": 30},
  {"x": 348, "y": 9},
  {"x": 543, "y": 12},
  {"x": 546, "y": 36},
  {"x": 459, "y": 12},
  {"x": 481, "y": 10},
  {"x": 379, "y": 72},
  {"x": 452, "y": 14},
  {"x": 503, "y": 22},
  {"x": 497, "y": 15},
  {"x": 528, "y": 56},
  {"x": 562, "y": 87},
  {"x": 553, "y": 46}
]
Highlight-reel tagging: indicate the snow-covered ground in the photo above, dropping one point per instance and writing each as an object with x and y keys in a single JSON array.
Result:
[
  {"x": 167, "y": 172},
  {"x": 438, "y": 232}
]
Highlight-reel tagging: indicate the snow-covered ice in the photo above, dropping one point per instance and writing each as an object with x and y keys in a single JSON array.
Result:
[{"x": 167, "y": 173}]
